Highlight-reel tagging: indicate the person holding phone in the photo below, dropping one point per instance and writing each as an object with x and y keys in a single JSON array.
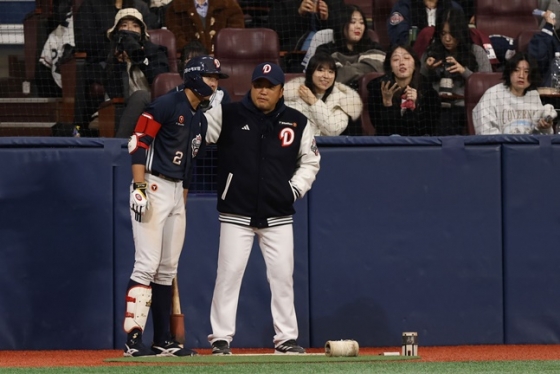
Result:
[
  {"x": 402, "y": 102},
  {"x": 453, "y": 55}
]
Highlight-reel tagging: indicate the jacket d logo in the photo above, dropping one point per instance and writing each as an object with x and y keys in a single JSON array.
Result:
[{"x": 286, "y": 136}]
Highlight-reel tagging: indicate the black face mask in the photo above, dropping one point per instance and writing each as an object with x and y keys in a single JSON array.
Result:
[{"x": 127, "y": 41}]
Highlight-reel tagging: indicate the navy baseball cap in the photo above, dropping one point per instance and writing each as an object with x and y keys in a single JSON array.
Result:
[{"x": 269, "y": 71}]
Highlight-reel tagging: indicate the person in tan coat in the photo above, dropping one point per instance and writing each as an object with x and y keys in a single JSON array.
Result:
[{"x": 202, "y": 19}]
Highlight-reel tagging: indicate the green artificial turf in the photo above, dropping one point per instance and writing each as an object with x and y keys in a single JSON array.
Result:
[{"x": 357, "y": 367}]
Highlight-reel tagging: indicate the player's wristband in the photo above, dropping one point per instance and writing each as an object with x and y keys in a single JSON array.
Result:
[{"x": 140, "y": 185}]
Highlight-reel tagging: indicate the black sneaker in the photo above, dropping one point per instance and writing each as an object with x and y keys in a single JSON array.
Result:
[
  {"x": 289, "y": 347},
  {"x": 135, "y": 348},
  {"x": 171, "y": 348},
  {"x": 220, "y": 347}
]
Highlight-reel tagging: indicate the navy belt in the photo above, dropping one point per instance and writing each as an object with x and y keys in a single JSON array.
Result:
[{"x": 159, "y": 175}]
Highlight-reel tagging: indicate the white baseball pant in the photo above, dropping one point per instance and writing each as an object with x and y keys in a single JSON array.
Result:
[
  {"x": 159, "y": 238},
  {"x": 277, "y": 246}
]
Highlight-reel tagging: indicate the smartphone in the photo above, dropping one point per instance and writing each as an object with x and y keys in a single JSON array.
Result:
[{"x": 389, "y": 79}]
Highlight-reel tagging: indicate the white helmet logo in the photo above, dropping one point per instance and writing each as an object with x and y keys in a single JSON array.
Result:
[{"x": 267, "y": 68}]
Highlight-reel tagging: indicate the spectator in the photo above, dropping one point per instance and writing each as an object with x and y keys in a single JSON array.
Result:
[
  {"x": 91, "y": 22},
  {"x": 402, "y": 101},
  {"x": 551, "y": 6},
  {"x": 453, "y": 54},
  {"x": 542, "y": 47},
  {"x": 514, "y": 107},
  {"x": 267, "y": 159},
  {"x": 296, "y": 21},
  {"x": 202, "y": 20},
  {"x": 354, "y": 52},
  {"x": 132, "y": 65},
  {"x": 420, "y": 13},
  {"x": 504, "y": 45},
  {"x": 158, "y": 8},
  {"x": 192, "y": 49},
  {"x": 327, "y": 104}
]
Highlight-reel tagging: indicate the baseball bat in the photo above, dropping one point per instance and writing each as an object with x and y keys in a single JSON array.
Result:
[{"x": 177, "y": 322}]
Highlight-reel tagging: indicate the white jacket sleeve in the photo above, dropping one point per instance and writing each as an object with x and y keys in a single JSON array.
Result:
[
  {"x": 214, "y": 117},
  {"x": 308, "y": 163},
  {"x": 330, "y": 121},
  {"x": 331, "y": 117}
]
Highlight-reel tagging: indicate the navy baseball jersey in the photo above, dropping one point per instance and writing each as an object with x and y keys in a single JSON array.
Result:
[{"x": 173, "y": 135}]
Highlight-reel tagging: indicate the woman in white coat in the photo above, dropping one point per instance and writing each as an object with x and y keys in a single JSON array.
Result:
[{"x": 327, "y": 104}]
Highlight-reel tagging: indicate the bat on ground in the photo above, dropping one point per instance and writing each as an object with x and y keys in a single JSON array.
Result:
[{"x": 177, "y": 322}]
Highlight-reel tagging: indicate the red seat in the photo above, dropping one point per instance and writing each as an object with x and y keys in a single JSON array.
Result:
[
  {"x": 165, "y": 82},
  {"x": 505, "y": 17},
  {"x": 475, "y": 86},
  {"x": 368, "y": 128},
  {"x": 239, "y": 51},
  {"x": 166, "y": 38},
  {"x": 523, "y": 39}
]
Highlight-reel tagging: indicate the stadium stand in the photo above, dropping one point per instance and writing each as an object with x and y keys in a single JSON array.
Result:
[{"x": 239, "y": 51}]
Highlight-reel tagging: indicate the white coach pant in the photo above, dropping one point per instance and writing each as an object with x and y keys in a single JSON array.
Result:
[{"x": 277, "y": 246}]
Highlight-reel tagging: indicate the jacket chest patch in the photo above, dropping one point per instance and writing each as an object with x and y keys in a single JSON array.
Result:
[{"x": 286, "y": 136}]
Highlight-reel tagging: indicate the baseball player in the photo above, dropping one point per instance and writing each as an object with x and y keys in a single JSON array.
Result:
[
  {"x": 168, "y": 137},
  {"x": 267, "y": 158}
]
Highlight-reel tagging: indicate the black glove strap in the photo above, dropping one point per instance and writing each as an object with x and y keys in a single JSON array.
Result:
[{"x": 140, "y": 186}]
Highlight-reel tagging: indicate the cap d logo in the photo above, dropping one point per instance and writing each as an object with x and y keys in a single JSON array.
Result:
[
  {"x": 267, "y": 68},
  {"x": 181, "y": 119},
  {"x": 216, "y": 63}
]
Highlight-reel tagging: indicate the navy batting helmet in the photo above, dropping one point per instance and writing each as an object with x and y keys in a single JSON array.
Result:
[{"x": 196, "y": 68}]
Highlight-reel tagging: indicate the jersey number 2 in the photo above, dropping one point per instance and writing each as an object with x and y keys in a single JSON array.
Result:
[{"x": 178, "y": 157}]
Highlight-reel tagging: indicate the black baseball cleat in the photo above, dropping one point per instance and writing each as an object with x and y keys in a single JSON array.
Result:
[
  {"x": 289, "y": 347},
  {"x": 220, "y": 347},
  {"x": 171, "y": 348},
  {"x": 135, "y": 348}
]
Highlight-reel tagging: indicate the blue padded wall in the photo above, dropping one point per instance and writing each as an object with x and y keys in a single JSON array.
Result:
[
  {"x": 407, "y": 238},
  {"x": 453, "y": 238},
  {"x": 56, "y": 265},
  {"x": 531, "y": 240}
]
